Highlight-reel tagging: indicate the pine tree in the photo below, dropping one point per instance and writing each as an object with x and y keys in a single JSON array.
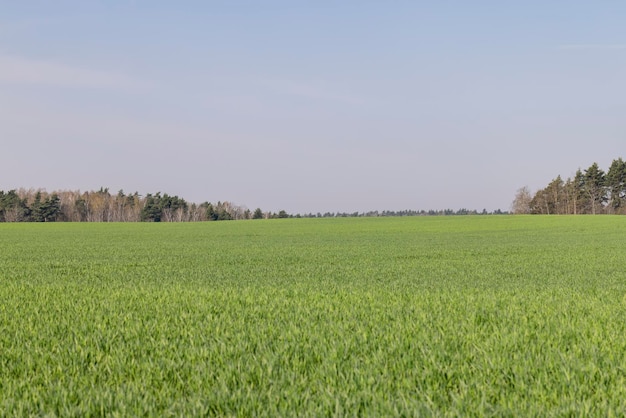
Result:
[
  {"x": 258, "y": 214},
  {"x": 594, "y": 181},
  {"x": 616, "y": 184}
]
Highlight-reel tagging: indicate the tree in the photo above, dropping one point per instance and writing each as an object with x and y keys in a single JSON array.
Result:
[
  {"x": 35, "y": 209},
  {"x": 197, "y": 213},
  {"x": 556, "y": 195},
  {"x": 540, "y": 204},
  {"x": 521, "y": 203},
  {"x": 99, "y": 204},
  {"x": 578, "y": 189},
  {"x": 151, "y": 211},
  {"x": 571, "y": 196},
  {"x": 119, "y": 205},
  {"x": 12, "y": 208},
  {"x": 80, "y": 206},
  {"x": 211, "y": 215},
  {"x": 594, "y": 181},
  {"x": 133, "y": 207},
  {"x": 616, "y": 184},
  {"x": 173, "y": 208},
  {"x": 258, "y": 214},
  {"x": 50, "y": 208},
  {"x": 551, "y": 200},
  {"x": 222, "y": 212}
]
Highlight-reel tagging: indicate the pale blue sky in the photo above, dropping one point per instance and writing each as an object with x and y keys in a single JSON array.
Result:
[{"x": 311, "y": 106}]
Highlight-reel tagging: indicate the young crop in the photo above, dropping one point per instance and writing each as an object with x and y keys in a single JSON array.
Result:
[{"x": 459, "y": 316}]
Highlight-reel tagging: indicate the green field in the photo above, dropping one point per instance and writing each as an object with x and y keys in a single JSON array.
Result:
[{"x": 432, "y": 316}]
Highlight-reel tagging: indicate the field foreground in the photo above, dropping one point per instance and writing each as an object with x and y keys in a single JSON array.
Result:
[{"x": 435, "y": 316}]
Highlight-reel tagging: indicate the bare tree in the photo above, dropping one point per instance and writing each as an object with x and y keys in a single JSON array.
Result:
[{"x": 521, "y": 203}]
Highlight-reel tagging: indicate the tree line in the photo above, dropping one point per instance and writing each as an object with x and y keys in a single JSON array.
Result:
[
  {"x": 38, "y": 205},
  {"x": 102, "y": 206},
  {"x": 396, "y": 213},
  {"x": 590, "y": 191}
]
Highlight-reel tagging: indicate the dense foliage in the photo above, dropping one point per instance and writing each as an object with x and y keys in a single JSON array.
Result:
[
  {"x": 591, "y": 191},
  {"x": 419, "y": 316}
]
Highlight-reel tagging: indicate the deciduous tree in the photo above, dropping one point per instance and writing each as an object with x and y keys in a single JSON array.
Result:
[{"x": 521, "y": 203}]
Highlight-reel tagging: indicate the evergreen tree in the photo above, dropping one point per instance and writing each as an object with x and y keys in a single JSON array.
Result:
[
  {"x": 211, "y": 215},
  {"x": 258, "y": 214},
  {"x": 594, "y": 182},
  {"x": 50, "y": 208},
  {"x": 151, "y": 211},
  {"x": 616, "y": 184},
  {"x": 36, "y": 210},
  {"x": 80, "y": 206},
  {"x": 222, "y": 213},
  {"x": 579, "y": 189},
  {"x": 12, "y": 208}
]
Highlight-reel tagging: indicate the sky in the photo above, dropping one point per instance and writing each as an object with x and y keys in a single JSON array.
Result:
[{"x": 311, "y": 106}]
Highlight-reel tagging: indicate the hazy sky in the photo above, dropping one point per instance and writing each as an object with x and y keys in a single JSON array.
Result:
[{"x": 311, "y": 106}]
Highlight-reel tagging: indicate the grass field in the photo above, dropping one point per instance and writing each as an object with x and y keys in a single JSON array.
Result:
[{"x": 434, "y": 316}]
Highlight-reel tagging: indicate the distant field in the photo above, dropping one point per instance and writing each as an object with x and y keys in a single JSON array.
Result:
[{"x": 441, "y": 316}]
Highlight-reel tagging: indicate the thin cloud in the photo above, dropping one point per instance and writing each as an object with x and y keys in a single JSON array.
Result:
[
  {"x": 599, "y": 47},
  {"x": 20, "y": 70}
]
